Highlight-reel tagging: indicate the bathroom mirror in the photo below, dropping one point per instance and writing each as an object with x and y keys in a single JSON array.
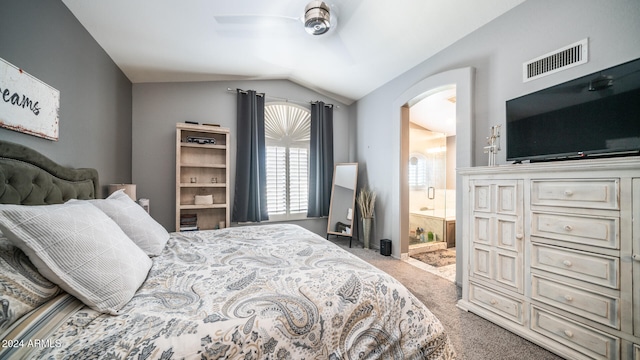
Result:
[{"x": 343, "y": 196}]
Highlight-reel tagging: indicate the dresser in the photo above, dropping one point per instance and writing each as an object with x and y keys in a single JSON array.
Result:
[{"x": 551, "y": 252}]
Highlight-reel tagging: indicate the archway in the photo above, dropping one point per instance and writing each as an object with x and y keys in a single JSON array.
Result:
[{"x": 463, "y": 80}]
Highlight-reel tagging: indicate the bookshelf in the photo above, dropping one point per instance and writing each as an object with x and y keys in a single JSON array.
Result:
[{"x": 202, "y": 177}]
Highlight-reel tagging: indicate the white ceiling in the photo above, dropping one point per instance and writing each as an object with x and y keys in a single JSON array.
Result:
[
  {"x": 437, "y": 111},
  {"x": 373, "y": 42}
]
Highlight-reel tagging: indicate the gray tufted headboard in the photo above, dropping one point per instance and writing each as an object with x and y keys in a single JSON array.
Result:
[{"x": 29, "y": 178}]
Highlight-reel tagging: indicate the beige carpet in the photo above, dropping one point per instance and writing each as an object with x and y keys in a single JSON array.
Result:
[{"x": 473, "y": 337}]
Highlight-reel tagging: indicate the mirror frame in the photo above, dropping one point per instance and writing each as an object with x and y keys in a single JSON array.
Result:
[{"x": 353, "y": 200}]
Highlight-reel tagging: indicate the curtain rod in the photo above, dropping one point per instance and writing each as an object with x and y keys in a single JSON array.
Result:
[
  {"x": 243, "y": 91},
  {"x": 230, "y": 90}
]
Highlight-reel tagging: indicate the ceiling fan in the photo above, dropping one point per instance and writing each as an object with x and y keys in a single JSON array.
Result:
[{"x": 318, "y": 18}]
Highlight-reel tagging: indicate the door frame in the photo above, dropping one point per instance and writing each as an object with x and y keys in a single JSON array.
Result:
[{"x": 463, "y": 79}]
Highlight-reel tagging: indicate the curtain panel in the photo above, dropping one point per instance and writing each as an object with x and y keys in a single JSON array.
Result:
[
  {"x": 320, "y": 159},
  {"x": 250, "y": 203}
]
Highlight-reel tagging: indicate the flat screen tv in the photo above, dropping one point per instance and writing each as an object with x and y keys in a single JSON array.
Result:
[{"x": 594, "y": 115}]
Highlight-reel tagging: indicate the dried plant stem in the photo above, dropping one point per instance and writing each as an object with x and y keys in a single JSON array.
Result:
[{"x": 366, "y": 202}]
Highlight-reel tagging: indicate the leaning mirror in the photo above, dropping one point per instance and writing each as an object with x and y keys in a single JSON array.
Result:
[{"x": 343, "y": 195}]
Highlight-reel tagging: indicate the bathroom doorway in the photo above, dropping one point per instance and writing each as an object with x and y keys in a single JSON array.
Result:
[
  {"x": 432, "y": 180},
  {"x": 463, "y": 79}
]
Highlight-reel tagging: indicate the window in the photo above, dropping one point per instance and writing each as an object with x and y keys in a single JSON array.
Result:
[
  {"x": 287, "y": 135},
  {"x": 417, "y": 171}
]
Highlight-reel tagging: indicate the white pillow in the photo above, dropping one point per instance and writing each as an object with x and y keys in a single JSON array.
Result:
[
  {"x": 150, "y": 236},
  {"x": 78, "y": 247}
]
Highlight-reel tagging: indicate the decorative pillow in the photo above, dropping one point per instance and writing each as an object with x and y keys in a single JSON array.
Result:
[
  {"x": 150, "y": 236},
  {"x": 22, "y": 288},
  {"x": 78, "y": 247}
]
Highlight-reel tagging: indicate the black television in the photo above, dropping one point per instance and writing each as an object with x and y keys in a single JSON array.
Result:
[{"x": 594, "y": 115}]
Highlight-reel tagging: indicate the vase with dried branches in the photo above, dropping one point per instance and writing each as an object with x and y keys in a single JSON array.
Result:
[{"x": 366, "y": 203}]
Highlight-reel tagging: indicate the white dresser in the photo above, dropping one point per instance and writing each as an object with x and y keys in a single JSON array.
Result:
[{"x": 551, "y": 253}]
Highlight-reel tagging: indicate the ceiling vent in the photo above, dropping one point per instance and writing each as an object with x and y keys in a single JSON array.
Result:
[{"x": 564, "y": 58}]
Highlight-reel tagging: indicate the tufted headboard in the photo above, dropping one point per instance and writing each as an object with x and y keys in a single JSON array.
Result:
[{"x": 29, "y": 178}]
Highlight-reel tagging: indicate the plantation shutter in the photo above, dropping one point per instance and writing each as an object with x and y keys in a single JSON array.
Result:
[
  {"x": 276, "y": 180},
  {"x": 287, "y": 134},
  {"x": 298, "y": 180},
  {"x": 418, "y": 172}
]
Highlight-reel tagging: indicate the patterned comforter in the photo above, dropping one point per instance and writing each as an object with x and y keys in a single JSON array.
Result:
[{"x": 255, "y": 292}]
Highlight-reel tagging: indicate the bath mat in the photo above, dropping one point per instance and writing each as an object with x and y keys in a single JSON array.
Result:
[{"x": 437, "y": 258}]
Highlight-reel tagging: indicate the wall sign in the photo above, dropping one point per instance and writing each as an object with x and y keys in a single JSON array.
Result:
[{"x": 27, "y": 104}]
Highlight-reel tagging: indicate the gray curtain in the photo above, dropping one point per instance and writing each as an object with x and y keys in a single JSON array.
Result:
[
  {"x": 250, "y": 203},
  {"x": 320, "y": 159}
]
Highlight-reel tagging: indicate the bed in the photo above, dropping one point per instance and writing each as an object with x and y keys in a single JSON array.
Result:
[{"x": 252, "y": 292}]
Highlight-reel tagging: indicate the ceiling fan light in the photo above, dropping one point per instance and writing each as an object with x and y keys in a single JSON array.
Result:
[{"x": 317, "y": 18}]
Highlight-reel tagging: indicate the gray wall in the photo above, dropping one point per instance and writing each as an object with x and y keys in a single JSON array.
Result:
[
  {"x": 157, "y": 107},
  {"x": 497, "y": 52},
  {"x": 47, "y": 41}
]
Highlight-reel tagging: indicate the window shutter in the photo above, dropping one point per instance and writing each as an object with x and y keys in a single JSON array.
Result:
[
  {"x": 276, "y": 180},
  {"x": 287, "y": 135},
  {"x": 298, "y": 180},
  {"x": 418, "y": 173}
]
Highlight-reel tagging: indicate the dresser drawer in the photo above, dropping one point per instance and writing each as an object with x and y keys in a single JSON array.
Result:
[
  {"x": 587, "y": 230},
  {"x": 592, "y": 194},
  {"x": 596, "y": 269},
  {"x": 503, "y": 305},
  {"x": 592, "y": 305},
  {"x": 591, "y": 342}
]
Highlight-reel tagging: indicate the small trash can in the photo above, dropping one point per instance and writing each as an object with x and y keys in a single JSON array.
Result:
[{"x": 385, "y": 247}]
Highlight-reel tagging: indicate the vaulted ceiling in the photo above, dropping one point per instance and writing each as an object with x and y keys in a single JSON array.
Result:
[{"x": 370, "y": 43}]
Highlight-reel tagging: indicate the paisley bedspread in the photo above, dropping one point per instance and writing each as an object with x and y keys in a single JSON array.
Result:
[{"x": 256, "y": 292}]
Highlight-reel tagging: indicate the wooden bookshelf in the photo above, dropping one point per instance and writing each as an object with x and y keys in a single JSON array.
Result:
[{"x": 202, "y": 170}]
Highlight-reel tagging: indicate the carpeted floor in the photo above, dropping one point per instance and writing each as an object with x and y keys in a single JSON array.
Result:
[{"x": 473, "y": 337}]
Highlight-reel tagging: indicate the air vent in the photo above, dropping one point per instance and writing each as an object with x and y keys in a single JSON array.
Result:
[{"x": 568, "y": 56}]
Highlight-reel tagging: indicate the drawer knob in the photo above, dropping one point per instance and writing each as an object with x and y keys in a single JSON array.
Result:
[
  {"x": 567, "y": 263},
  {"x": 568, "y": 193},
  {"x": 636, "y": 257},
  {"x": 494, "y": 301},
  {"x": 568, "y": 297},
  {"x": 519, "y": 236},
  {"x": 568, "y": 227},
  {"x": 568, "y": 333}
]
